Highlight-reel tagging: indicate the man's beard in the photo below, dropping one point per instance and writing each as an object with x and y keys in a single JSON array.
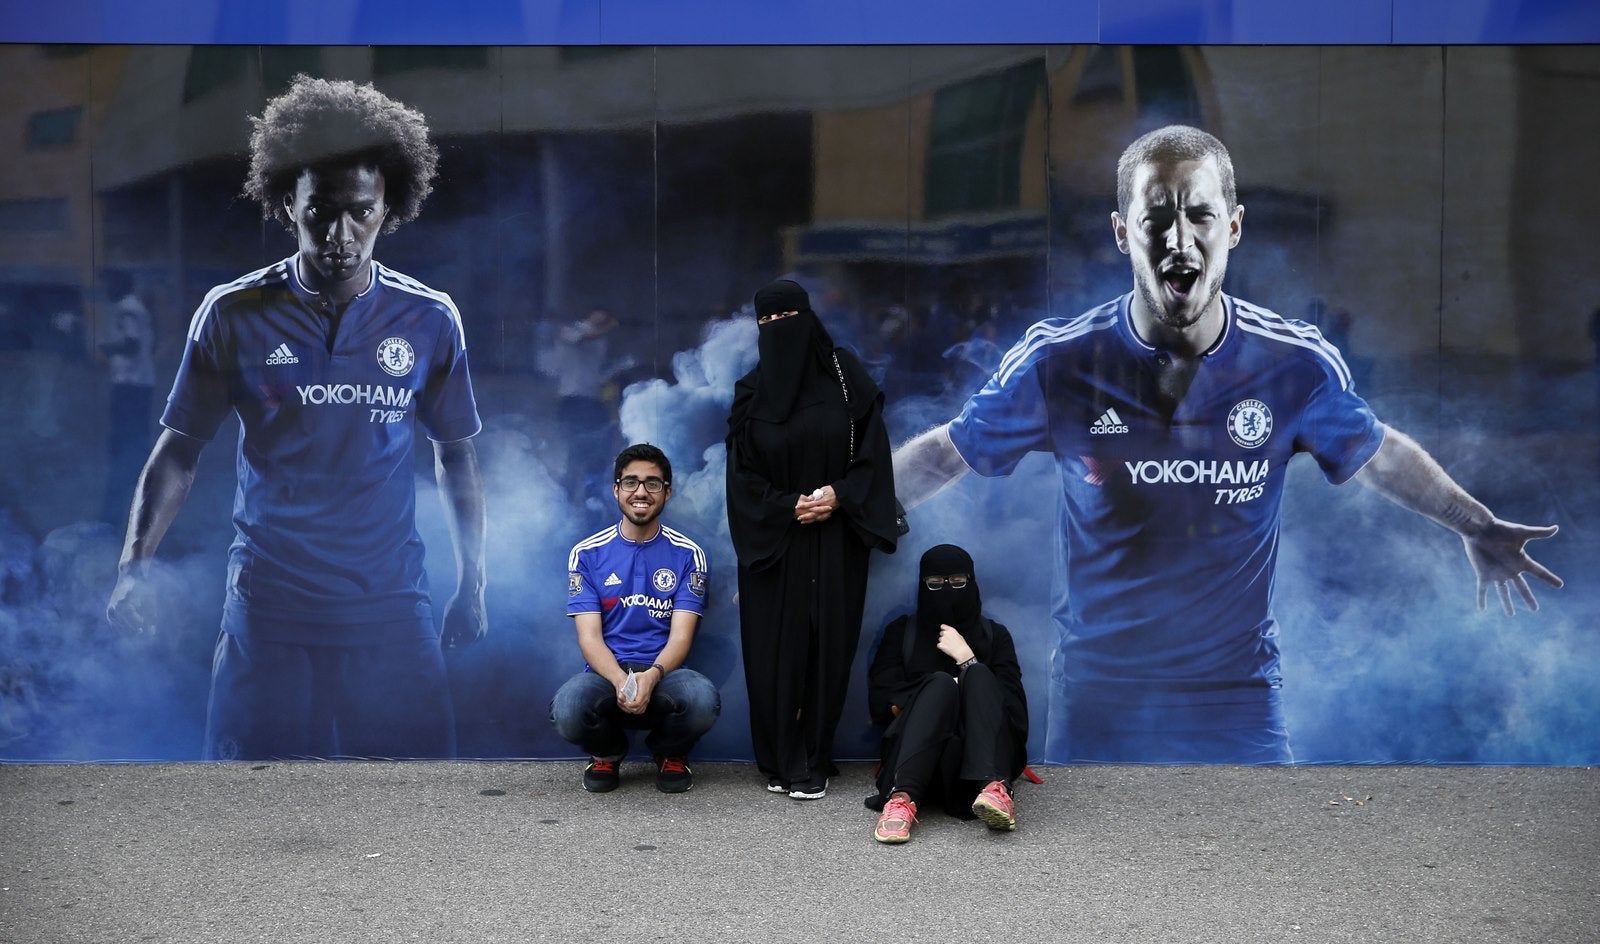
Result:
[
  {"x": 632, "y": 516},
  {"x": 1152, "y": 289}
]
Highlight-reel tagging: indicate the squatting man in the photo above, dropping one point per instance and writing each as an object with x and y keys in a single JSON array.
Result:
[{"x": 635, "y": 592}]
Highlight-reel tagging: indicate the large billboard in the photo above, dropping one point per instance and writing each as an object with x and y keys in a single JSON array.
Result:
[{"x": 601, "y": 218}]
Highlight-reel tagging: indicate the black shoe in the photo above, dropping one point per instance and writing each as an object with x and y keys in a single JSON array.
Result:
[
  {"x": 601, "y": 776},
  {"x": 673, "y": 775},
  {"x": 774, "y": 785},
  {"x": 814, "y": 788}
]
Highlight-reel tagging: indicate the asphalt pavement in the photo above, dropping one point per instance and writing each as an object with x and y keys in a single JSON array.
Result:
[{"x": 490, "y": 852}]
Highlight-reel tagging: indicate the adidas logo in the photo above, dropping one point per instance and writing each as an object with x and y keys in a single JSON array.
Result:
[
  {"x": 613, "y": 580},
  {"x": 281, "y": 355},
  {"x": 1108, "y": 423}
]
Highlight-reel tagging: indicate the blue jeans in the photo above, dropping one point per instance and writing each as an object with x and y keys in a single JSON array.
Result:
[{"x": 683, "y": 707}]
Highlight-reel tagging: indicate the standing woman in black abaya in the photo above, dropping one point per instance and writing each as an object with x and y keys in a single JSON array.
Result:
[{"x": 810, "y": 495}]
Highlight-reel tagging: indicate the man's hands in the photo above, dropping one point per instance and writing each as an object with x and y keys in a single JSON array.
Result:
[
  {"x": 646, "y": 681},
  {"x": 455, "y": 466},
  {"x": 162, "y": 489},
  {"x": 465, "y": 620},
  {"x": 132, "y": 608},
  {"x": 953, "y": 644},
  {"x": 1404, "y": 473},
  {"x": 1498, "y": 553}
]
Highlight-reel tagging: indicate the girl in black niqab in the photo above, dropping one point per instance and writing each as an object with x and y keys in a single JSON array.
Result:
[
  {"x": 810, "y": 495},
  {"x": 946, "y": 686}
]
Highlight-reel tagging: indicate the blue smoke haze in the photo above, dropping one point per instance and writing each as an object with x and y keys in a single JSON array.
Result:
[{"x": 1385, "y": 658}]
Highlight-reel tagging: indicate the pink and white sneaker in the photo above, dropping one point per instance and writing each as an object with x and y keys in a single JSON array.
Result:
[
  {"x": 894, "y": 825},
  {"x": 995, "y": 806}
]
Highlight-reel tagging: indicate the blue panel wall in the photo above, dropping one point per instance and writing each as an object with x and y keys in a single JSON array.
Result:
[{"x": 716, "y": 22}]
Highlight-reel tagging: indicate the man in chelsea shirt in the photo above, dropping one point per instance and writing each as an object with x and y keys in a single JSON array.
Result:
[
  {"x": 635, "y": 592},
  {"x": 1172, "y": 413},
  {"x": 330, "y": 360}
]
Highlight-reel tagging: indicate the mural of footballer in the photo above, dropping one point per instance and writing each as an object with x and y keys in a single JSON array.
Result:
[
  {"x": 1172, "y": 412},
  {"x": 328, "y": 645}
]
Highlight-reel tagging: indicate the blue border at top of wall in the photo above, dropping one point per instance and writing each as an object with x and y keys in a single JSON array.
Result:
[{"x": 799, "y": 22}]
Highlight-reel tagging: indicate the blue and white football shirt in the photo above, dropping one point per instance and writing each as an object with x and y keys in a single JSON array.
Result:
[
  {"x": 324, "y": 512},
  {"x": 1170, "y": 526},
  {"x": 635, "y": 587}
]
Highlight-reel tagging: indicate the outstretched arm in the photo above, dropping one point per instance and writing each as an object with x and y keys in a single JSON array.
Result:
[
  {"x": 162, "y": 489},
  {"x": 461, "y": 489},
  {"x": 1404, "y": 473},
  {"x": 926, "y": 464}
]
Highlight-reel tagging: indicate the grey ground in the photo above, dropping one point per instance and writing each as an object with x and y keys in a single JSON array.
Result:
[{"x": 501, "y": 852}]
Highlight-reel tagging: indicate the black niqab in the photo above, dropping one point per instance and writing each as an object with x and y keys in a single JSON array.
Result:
[
  {"x": 961, "y": 608},
  {"x": 795, "y": 367}
]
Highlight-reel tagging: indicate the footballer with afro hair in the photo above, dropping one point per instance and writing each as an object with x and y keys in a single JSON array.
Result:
[
  {"x": 335, "y": 366},
  {"x": 323, "y": 122}
]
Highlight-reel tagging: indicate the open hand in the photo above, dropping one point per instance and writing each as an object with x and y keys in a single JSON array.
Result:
[{"x": 1498, "y": 554}]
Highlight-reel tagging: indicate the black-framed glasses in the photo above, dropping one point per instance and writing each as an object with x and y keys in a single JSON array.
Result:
[
  {"x": 630, "y": 484},
  {"x": 954, "y": 582}
]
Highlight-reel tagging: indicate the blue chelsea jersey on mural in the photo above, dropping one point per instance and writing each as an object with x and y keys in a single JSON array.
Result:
[
  {"x": 635, "y": 587},
  {"x": 1170, "y": 524},
  {"x": 325, "y": 507}
]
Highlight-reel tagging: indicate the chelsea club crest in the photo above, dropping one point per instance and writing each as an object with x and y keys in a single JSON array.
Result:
[
  {"x": 396, "y": 357},
  {"x": 1250, "y": 423}
]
